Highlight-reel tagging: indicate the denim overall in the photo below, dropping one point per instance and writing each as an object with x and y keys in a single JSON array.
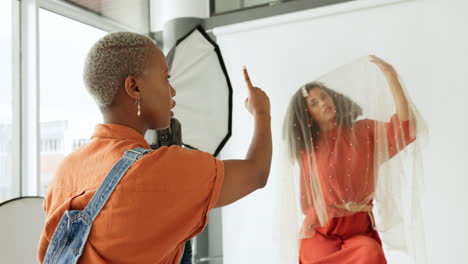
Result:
[{"x": 72, "y": 231}]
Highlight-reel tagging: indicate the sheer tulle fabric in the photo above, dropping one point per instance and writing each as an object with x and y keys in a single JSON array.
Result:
[{"x": 369, "y": 162}]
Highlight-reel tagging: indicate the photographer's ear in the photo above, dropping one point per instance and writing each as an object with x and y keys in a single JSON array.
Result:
[{"x": 131, "y": 88}]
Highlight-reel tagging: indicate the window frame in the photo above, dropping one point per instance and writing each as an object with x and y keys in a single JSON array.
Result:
[{"x": 26, "y": 88}]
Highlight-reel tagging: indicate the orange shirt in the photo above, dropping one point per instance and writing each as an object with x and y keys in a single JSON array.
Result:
[
  {"x": 161, "y": 202},
  {"x": 347, "y": 163}
]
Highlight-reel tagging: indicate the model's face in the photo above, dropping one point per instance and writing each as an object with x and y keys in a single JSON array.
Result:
[{"x": 320, "y": 106}]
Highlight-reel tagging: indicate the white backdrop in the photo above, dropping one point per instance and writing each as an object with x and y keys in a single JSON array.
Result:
[{"x": 426, "y": 41}]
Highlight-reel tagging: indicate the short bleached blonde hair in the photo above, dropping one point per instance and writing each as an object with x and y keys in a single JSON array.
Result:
[{"x": 111, "y": 60}]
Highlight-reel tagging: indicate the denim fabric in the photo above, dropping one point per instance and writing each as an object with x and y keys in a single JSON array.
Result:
[
  {"x": 187, "y": 256},
  {"x": 72, "y": 232}
]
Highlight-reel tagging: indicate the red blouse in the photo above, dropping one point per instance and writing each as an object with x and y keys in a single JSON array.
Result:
[{"x": 347, "y": 162}]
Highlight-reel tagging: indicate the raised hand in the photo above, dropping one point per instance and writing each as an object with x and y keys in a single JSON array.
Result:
[{"x": 257, "y": 103}]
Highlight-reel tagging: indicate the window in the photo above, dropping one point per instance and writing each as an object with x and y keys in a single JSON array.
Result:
[
  {"x": 133, "y": 14},
  {"x": 222, "y": 6},
  {"x": 9, "y": 184},
  {"x": 68, "y": 114}
]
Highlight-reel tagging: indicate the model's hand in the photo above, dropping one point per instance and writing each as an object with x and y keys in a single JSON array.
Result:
[{"x": 384, "y": 66}]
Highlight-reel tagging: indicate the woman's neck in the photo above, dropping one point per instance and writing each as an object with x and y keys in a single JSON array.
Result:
[
  {"x": 119, "y": 117},
  {"x": 328, "y": 125}
]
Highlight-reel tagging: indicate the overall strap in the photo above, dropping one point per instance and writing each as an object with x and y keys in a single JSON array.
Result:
[{"x": 112, "y": 179}]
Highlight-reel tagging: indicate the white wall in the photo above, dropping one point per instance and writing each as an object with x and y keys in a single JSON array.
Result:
[{"x": 426, "y": 41}]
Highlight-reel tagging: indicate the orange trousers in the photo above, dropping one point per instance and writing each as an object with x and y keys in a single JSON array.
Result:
[{"x": 344, "y": 240}]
